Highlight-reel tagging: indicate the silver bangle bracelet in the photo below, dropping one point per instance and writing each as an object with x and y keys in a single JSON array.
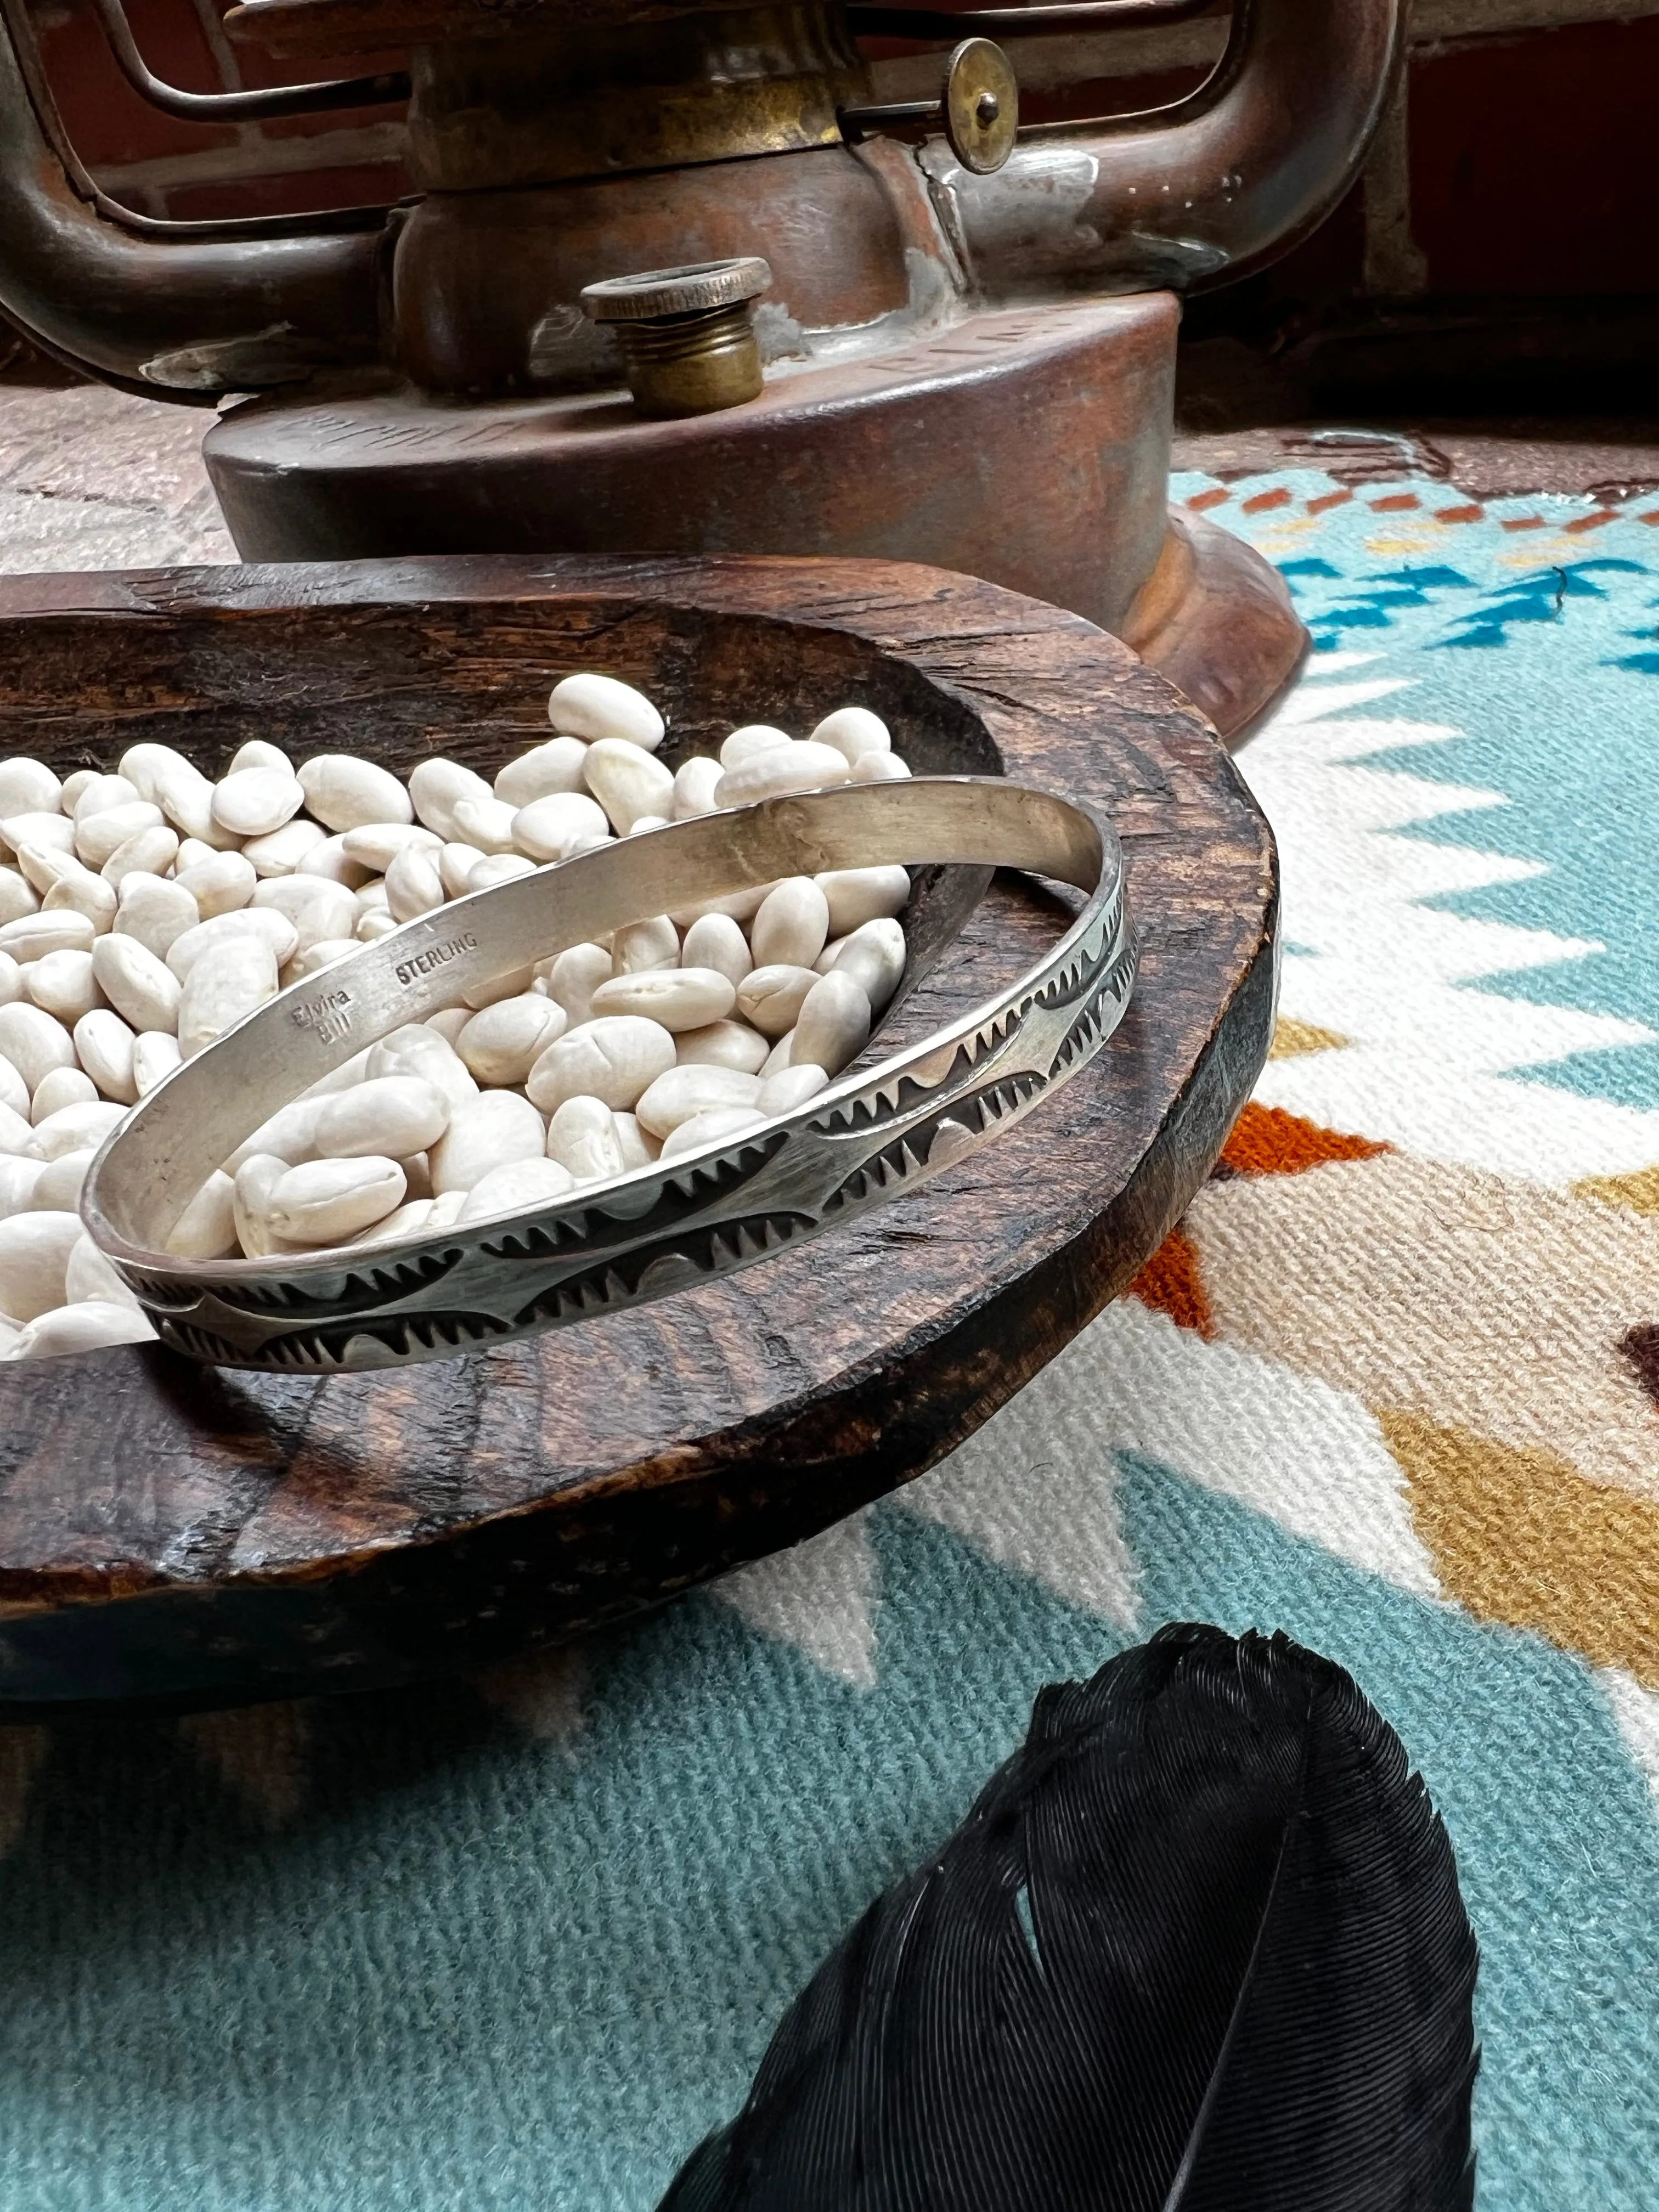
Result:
[{"x": 661, "y": 1228}]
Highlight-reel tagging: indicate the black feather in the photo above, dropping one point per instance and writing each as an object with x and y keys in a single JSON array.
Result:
[{"x": 1198, "y": 1948}]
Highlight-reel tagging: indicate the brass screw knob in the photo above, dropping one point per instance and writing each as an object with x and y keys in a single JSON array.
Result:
[
  {"x": 981, "y": 106},
  {"x": 687, "y": 334}
]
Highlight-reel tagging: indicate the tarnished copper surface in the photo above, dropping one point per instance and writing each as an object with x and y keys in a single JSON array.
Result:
[{"x": 586, "y": 100}]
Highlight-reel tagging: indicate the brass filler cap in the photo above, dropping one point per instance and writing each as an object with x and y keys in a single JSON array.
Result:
[{"x": 687, "y": 334}]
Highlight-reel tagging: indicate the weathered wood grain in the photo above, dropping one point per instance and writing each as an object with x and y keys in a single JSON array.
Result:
[{"x": 173, "y": 1532}]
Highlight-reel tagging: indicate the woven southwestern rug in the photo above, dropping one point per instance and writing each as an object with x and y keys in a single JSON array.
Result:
[{"x": 1392, "y": 1387}]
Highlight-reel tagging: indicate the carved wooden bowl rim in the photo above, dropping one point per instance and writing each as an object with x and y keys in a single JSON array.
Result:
[{"x": 260, "y": 1537}]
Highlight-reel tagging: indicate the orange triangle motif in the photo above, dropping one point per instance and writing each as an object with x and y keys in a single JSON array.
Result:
[{"x": 1266, "y": 1140}]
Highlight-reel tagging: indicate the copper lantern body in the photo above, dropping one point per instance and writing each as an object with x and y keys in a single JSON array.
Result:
[{"x": 968, "y": 368}]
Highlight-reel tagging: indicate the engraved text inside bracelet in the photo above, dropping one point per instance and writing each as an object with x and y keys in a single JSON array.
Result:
[
  {"x": 435, "y": 955},
  {"x": 328, "y": 1015}
]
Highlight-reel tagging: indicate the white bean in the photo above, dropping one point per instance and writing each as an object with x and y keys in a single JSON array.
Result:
[
  {"x": 219, "y": 885},
  {"x": 488, "y": 1132},
  {"x": 256, "y": 1180},
  {"x": 722, "y": 1044},
  {"x": 413, "y": 884},
  {"x": 738, "y": 906},
  {"x": 376, "y": 845},
  {"x": 251, "y": 802},
  {"x": 19, "y": 1179},
  {"x": 873, "y": 956},
  {"x": 408, "y": 1220},
  {"x": 859, "y": 895},
  {"x": 834, "y": 1023},
  {"x": 791, "y": 1087},
  {"x": 185, "y": 795},
  {"x": 16, "y": 1135},
  {"x": 694, "y": 786},
  {"x": 56, "y": 831},
  {"x": 371, "y": 899},
  {"x": 792, "y": 925},
  {"x": 445, "y": 1209},
  {"x": 582, "y": 1136},
  {"x": 780, "y": 771},
  {"x": 59, "y": 1190},
  {"x": 97, "y": 793},
  {"x": 330, "y": 860},
  {"x": 638, "y": 1149},
  {"x": 681, "y": 1092},
  {"x": 644, "y": 945},
  {"x": 156, "y": 1054},
  {"x": 323, "y": 954},
  {"x": 449, "y": 1022},
  {"x": 372, "y": 926},
  {"x": 227, "y": 981},
  {"x": 87, "y": 1327},
  {"x": 486, "y": 822},
  {"x": 751, "y": 738},
  {"x": 511, "y": 983},
  {"x": 316, "y": 907},
  {"x": 324, "y": 1200},
  {"x": 34, "y": 1043},
  {"x": 100, "y": 837},
  {"x": 28, "y": 786},
  {"x": 76, "y": 785},
  {"x": 709, "y": 1129},
  {"x": 499, "y": 868},
  {"x": 715, "y": 940},
  {"x": 143, "y": 989},
  {"x": 419, "y": 1049},
  {"x": 155, "y": 911},
  {"x": 76, "y": 1128},
  {"x": 148, "y": 852},
  {"x": 434, "y": 785},
  {"x": 613, "y": 1057},
  {"x": 60, "y": 1087},
  {"x": 62, "y": 984},
  {"x": 455, "y": 866},
  {"x": 35, "y": 1252},
  {"x": 206, "y": 1229},
  {"x": 563, "y": 823},
  {"x": 627, "y": 782},
  {"x": 387, "y": 1114},
  {"x": 257, "y": 753},
  {"x": 555, "y": 766},
  {"x": 89, "y": 1274},
  {"x": 601, "y": 708},
  {"x": 106, "y": 1045},
  {"x": 262, "y": 923},
  {"x": 17, "y": 895},
  {"x": 34, "y": 935},
  {"x": 342, "y": 792},
  {"x": 43, "y": 865},
  {"x": 678, "y": 998},
  {"x": 83, "y": 893},
  {"x": 879, "y": 768},
  {"x": 290, "y": 1134},
  {"x": 503, "y": 1043},
  {"x": 772, "y": 998},
  {"x": 855, "y": 731},
  {"x": 416, "y": 1174},
  {"x": 281, "y": 853},
  {"x": 575, "y": 976},
  {"x": 516, "y": 1187},
  {"x": 11, "y": 981}
]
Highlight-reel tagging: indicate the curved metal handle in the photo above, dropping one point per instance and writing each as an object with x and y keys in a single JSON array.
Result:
[
  {"x": 1207, "y": 189},
  {"x": 240, "y": 107},
  {"x": 174, "y": 311}
]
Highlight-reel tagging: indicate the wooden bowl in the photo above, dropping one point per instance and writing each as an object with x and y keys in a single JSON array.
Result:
[{"x": 181, "y": 1534}]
